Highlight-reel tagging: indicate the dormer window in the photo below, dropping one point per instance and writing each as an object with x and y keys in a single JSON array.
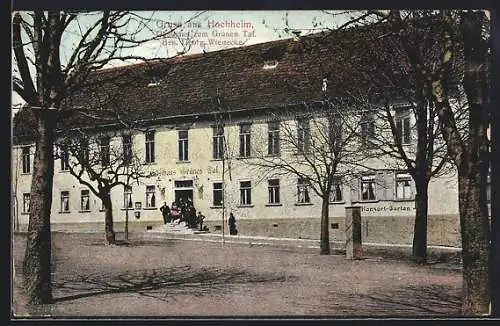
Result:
[
  {"x": 270, "y": 64},
  {"x": 155, "y": 81}
]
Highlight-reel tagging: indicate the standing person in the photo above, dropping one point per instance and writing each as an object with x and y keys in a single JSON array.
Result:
[
  {"x": 232, "y": 224},
  {"x": 165, "y": 212},
  {"x": 175, "y": 212},
  {"x": 200, "y": 217}
]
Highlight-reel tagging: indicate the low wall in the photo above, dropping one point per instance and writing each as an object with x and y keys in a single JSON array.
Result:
[{"x": 442, "y": 230}]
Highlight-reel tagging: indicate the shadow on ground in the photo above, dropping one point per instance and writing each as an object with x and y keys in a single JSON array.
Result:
[
  {"x": 428, "y": 300},
  {"x": 159, "y": 283}
]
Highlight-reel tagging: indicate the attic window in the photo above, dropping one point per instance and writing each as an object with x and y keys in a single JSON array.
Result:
[
  {"x": 154, "y": 82},
  {"x": 270, "y": 64}
]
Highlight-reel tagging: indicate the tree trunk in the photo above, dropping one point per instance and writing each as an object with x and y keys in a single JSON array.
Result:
[
  {"x": 37, "y": 259},
  {"x": 475, "y": 231},
  {"x": 325, "y": 237},
  {"x": 419, "y": 251},
  {"x": 110, "y": 234}
]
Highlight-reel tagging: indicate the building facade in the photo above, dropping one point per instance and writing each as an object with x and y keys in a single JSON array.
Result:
[{"x": 206, "y": 125}]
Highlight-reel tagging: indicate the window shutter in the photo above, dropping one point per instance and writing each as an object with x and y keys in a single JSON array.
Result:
[
  {"x": 399, "y": 128},
  {"x": 380, "y": 186},
  {"x": 407, "y": 135},
  {"x": 355, "y": 189},
  {"x": 389, "y": 185}
]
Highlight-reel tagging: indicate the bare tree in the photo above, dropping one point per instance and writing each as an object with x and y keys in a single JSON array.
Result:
[
  {"x": 443, "y": 63},
  {"x": 38, "y": 41},
  {"x": 317, "y": 143},
  {"x": 403, "y": 101},
  {"x": 457, "y": 64},
  {"x": 101, "y": 165}
]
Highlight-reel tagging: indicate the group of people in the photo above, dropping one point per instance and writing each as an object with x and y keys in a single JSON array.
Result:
[{"x": 182, "y": 211}]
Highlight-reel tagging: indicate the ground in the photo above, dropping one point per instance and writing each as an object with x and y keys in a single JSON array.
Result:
[{"x": 169, "y": 278}]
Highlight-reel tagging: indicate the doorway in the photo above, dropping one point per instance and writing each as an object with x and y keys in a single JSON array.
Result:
[{"x": 183, "y": 191}]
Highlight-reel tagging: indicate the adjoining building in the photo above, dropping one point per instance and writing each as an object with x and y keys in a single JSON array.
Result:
[{"x": 200, "y": 120}]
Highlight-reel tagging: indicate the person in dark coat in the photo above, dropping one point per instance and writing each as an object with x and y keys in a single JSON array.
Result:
[
  {"x": 165, "y": 212},
  {"x": 232, "y": 225},
  {"x": 200, "y": 219}
]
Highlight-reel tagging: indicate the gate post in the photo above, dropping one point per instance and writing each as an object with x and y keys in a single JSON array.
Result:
[{"x": 353, "y": 246}]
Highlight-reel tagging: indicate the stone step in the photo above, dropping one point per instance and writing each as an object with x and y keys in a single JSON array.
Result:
[{"x": 180, "y": 228}]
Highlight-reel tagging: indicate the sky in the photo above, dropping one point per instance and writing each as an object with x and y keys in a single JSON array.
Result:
[{"x": 207, "y": 31}]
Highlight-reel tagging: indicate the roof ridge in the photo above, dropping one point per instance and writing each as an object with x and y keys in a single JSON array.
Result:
[{"x": 196, "y": 55}]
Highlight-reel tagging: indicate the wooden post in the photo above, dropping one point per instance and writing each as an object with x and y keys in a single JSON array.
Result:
[{"x": 353, "y": 246}]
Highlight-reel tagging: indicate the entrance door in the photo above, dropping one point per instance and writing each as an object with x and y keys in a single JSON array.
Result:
[
  {"x": 185, "y": 194},
  {"x": 184, "y": 191}
]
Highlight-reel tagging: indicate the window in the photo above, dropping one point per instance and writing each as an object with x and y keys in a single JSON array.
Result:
[
  {"x": 127, "y": 197},
  {"x": 303, "y": 191},
  {"x": 270, "y": 64},
  {"x": 83, "y": 152},
  {"x": 218, "y": 142},
  {"x": 104, "y": 150},
  {"x": 273, "y": 188},
  {"x": 183, "y": 183},
  {"x": 64, "y": 160},
  {"x": 127, "y": 149},
  {"x": 303, "y": 140},
  {"x": 368, "y": 187},
  {"x": 334, "y": 133},
  {"x": 183, "y": 145},
  {"x": 218, "y": 195},
  {"x": 245, "y": 193},
  {"x": 64, "y": 201},
  {"x": 336, "y": 191},
  {"x": 488, "y": 186},
  {"x": 150, "y": 146},
  {"x": 26, "y": 202},
  {"x": 245, "y": 140},
  {"x": 273, "y": 145},
  {"x": 403, "y": 186},
  {"x": 26, "y": 159},
  {"x": 150, "y": 197},
  {"x": 403, "y": 129},
  {"x": 85, "y": 200},
  {"x": 367, "y": 130}
]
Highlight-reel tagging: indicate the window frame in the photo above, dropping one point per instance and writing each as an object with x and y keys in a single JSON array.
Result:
[
  {"x": 183, "y": 145},
  {"x": 27, "y": 203},
  {"x": 127, "y": 195},
  {"x": 65, "y": 206},
  {"x": 217, "y": 190},
  {"x": 127, "y": 148},
  {"x": 82, "y": 196},
  {"x": 303, "y": 186},
  {"x": 26, "y": 159},
  {"x": 149, "y": 144},
  {"x": 303, "y": 136},
  {"x": 367, "y": 133},
  {"x": 332, "y": 196},
  {"x": 273, "y": 138},
  {"x": 245, "y": 192},
  {"x": 370, "y": 179},
  {"x": 403, "y": 127},
  {"x": 273, "y": 191},
  {"x": 104, "y": 150},
  {"x": 218, "y": 142},
  {"x": 334, "y": 133},
  {"x": 150, "y": 196},
  {"x": 64, "y": 159},
  {"x": 245, "y": 140}
]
